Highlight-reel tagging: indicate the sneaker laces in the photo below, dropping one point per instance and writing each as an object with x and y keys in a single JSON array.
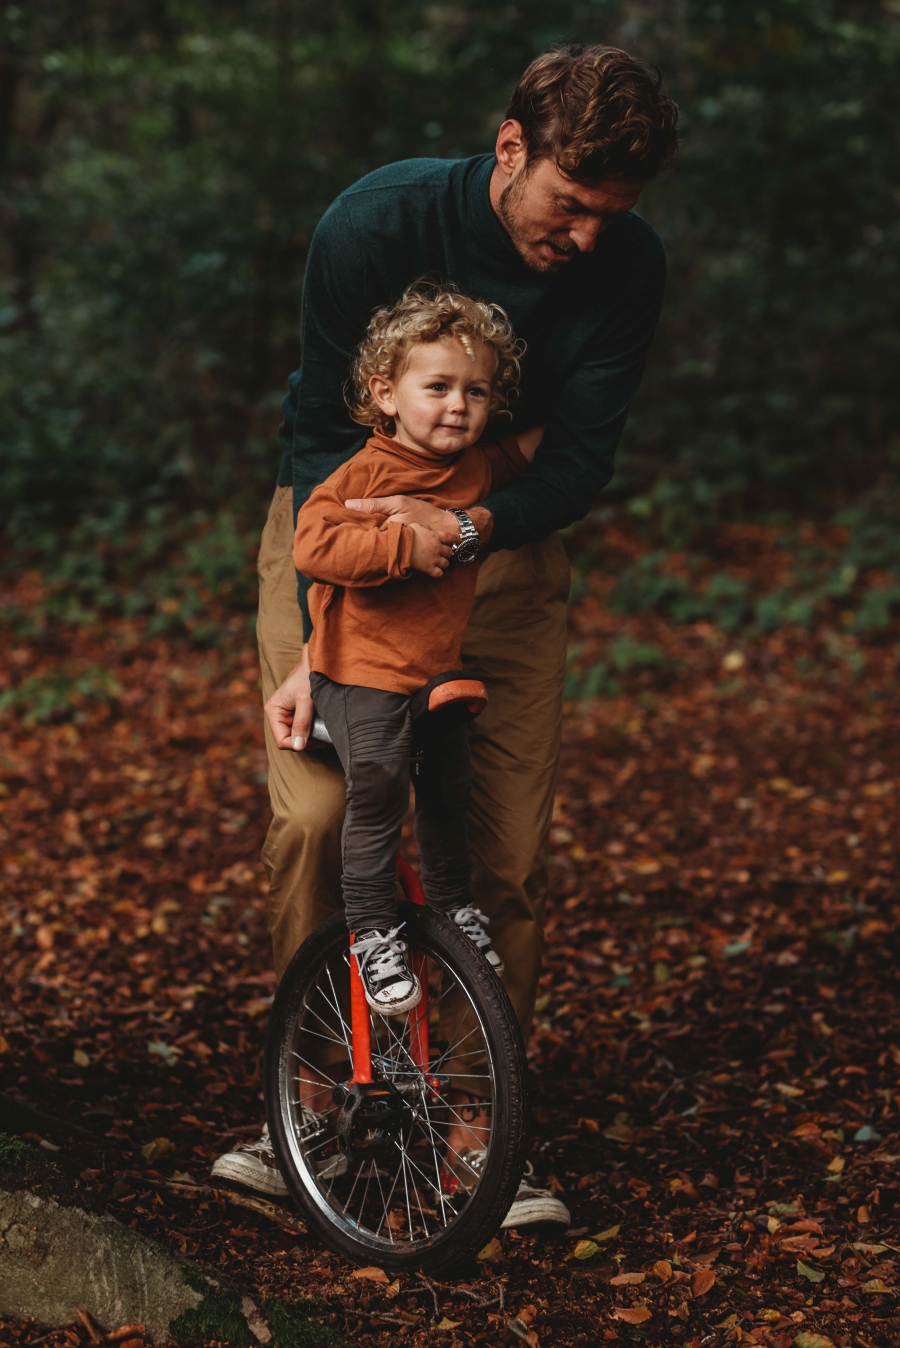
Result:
[
  {"x": 260, "y": 1146},
  {"x": 473, "y": 922},
  {"x": 384, "y": 952},
  {"x": 312, "y": 1124},
  {"x": 526, "y": 1187}
]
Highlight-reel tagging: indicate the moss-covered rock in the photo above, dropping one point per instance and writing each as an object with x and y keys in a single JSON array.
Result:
[{"x": 57, "y": 1257}]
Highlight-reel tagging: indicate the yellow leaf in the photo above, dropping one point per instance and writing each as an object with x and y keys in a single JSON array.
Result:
[
  {"x": 620, "y": 1130},
  {"x": 608, "y": 1234},
  {"x": 866, "y": 1249},
  {"x": 493, "y": 1250},
  {"x": 836, "y": 1165},
  {"x": 876, "y": 1285},
  {"x": 448, "y": 1324},
  {"x": 585, "y": 1249},
  {"x": 371, "y": 1273},
  {"x": 80, "y": 1058},
  {"x": 790, "y": 1091},
  {"x": 160, "y": 1146},
  {"x": 663, "y": 1269}
]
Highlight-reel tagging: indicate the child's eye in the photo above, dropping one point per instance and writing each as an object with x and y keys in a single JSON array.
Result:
[
  {"x": 477, "y": 392},
  {"x": 438, "y": 388}
]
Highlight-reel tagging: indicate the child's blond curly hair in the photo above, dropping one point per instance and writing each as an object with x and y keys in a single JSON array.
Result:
[{"x": 430, "y": 313}]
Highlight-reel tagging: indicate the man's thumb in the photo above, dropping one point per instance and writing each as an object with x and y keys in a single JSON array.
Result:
[
  {"x": 370, "y": 504},
  {"x": 302, "y": 723}
]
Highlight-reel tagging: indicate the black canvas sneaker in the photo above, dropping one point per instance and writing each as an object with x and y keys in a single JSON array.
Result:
[
  {"x": 390, "y": 985},
  {"x": 473, "y": 922}
]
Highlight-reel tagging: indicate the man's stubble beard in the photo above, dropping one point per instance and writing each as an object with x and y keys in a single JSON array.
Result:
[{"x": 510, "y": 213}]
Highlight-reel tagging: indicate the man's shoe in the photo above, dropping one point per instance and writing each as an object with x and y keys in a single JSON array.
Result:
[
  {"x": 390, "y": 985},
  {"x": 529, "y": 1205},
  {"x": 535, "y": 1205},
  {"x": 253, "y": 1164},
  {"x": 473, "y": 922}
]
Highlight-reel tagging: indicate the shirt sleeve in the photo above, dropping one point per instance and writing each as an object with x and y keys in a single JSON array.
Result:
[
  {"x": 505, "y": 460},
  {"x": 576, "y": 457}
]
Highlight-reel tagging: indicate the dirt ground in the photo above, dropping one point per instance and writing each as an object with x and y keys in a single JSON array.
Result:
[{"x": 715, "y": 1058}]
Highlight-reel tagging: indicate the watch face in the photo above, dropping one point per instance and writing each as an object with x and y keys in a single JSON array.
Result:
[{"x": 468, "y": 551}]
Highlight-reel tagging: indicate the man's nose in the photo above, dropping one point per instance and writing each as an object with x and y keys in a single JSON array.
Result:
[{"x": 585, "y": 233}]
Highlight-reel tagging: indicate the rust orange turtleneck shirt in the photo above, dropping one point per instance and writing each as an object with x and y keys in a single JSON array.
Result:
[{"x": 377, "y": 623}]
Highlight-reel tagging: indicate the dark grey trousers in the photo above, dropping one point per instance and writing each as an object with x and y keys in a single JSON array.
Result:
[{"x": 372, "y": 733}]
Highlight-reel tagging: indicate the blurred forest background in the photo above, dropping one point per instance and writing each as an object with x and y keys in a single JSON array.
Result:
[{"x": 164, "y": 164}]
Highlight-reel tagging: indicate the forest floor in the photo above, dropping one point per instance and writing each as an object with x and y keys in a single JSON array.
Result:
[{"x": 715, "y": 1060}]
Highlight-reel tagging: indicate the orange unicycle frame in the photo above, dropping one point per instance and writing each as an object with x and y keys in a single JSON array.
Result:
[{"x": 360, "y": 1021}]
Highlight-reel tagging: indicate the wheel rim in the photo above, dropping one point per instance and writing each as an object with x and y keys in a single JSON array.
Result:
[{"x": 418, "y": 1187}]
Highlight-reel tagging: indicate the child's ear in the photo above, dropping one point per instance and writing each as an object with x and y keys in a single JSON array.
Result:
[{"x": 383, "y": 393}]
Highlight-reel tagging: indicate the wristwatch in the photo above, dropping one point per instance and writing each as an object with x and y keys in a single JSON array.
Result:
[{"x": 469, "y": 545}]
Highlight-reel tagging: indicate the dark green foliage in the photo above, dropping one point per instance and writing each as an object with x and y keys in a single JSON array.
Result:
[
  {"x": 292, "y": 1328},
  {"x": 163, "y": 166},
  {"x": 54, "y": 696},
  {"x": 218, "y": 1317},
  {"x": 23, "y": 1166},
  {"x": 625, "y": 657}
]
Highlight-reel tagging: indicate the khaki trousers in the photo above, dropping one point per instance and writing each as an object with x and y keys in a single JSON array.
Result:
[{"x": 516, "y": 639}]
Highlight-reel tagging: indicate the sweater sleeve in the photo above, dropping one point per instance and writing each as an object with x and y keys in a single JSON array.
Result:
[
  {"x": 337, "y": 546},
  {"x": 576, "y": 457}
]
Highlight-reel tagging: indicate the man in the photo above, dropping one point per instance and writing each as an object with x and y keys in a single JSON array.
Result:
[{"x": 546, "y": 228}]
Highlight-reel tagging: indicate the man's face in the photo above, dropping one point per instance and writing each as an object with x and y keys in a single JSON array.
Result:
[{"x": 550, "y": 217}]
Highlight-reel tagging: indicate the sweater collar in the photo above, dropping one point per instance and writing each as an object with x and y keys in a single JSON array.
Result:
[
  {"x": 487, "y": 233},
  {"x": 414, "y": 456}
]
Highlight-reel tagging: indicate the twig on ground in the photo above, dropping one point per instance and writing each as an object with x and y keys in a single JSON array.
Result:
[
  {"x": 260, "y": 1205},
  {"x": 462, "y": 1293},
  {"x": 433, "y": 1290}
]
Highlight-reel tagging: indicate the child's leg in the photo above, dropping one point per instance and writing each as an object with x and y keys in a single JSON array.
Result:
[
  {"x": 371, "y": 732},
  {"x": 443, "y": 785}
]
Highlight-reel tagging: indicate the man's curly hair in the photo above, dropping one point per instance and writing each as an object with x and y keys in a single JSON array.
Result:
[
  {"x": 597, "y": 112},
  {"x": 430, "y": 313}
]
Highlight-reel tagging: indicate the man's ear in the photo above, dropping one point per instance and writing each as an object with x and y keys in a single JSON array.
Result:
[
  {"x": 511, "y": 148},
  {"x": 383, "y": 393}
]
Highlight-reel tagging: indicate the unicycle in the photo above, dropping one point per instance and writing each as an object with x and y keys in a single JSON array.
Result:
[{"x": 361, "y": 1105}]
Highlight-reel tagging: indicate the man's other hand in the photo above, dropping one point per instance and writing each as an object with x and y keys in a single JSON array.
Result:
[
  {"x": 410, "y": 510},
  {"x": 289, "y": 710},
  {"x": 431, "y": 550}
]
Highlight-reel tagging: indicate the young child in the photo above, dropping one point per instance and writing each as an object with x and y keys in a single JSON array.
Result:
[{"x": 390, "y": 603}]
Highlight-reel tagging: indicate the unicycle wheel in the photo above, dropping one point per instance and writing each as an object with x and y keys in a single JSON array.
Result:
[{"x": 374, "y": 1171}]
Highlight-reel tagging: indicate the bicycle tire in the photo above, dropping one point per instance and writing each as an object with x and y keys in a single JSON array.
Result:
[{"x": 483, "y": 1209}]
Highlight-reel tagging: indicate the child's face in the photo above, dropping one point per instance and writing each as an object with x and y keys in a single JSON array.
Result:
[{"x": 442, "y": 399}]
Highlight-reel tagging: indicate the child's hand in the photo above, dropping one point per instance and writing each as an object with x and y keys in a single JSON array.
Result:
[{"x": 431, "y": 549}]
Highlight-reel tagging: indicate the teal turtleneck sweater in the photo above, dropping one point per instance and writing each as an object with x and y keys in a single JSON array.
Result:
[{"x": 587, "y": 329}]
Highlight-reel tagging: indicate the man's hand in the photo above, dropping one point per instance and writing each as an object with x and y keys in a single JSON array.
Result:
[
  {"x": 289, "y": 710},
  {"x": 431, "y": 551},
  {"x": 410, "y": 510}
]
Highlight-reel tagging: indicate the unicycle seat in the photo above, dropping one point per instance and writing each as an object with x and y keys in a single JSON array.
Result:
[{"x": 440, "y": 706}]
